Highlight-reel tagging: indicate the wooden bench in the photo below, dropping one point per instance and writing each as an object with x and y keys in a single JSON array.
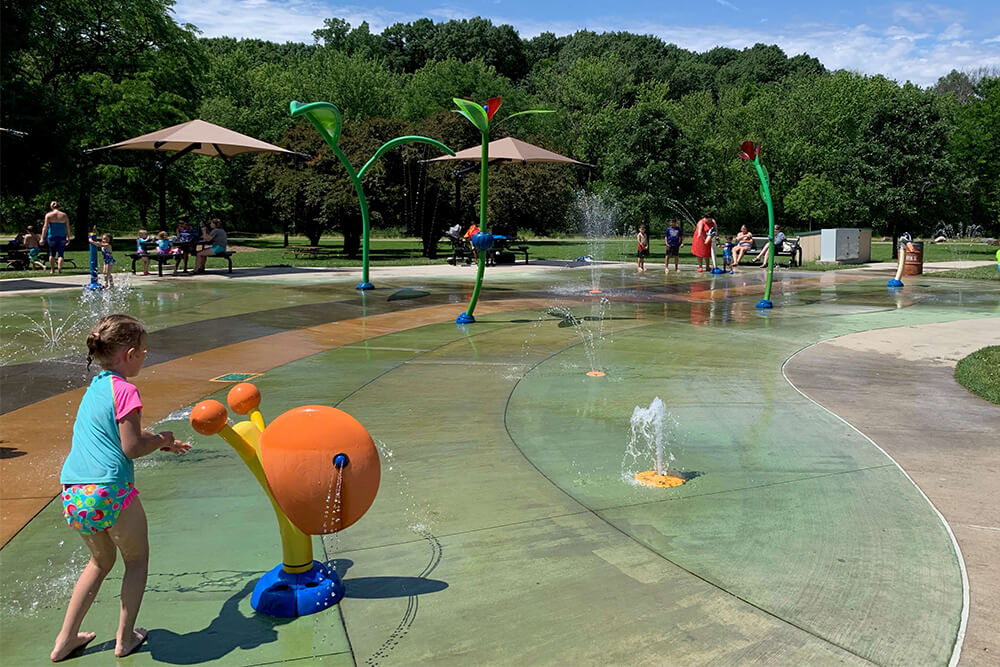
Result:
[
  {"x": 163, "y": 259},
  {"x": 153, "y": 256},
  {"x": 227, "y": 255},
  {"x": 793, "y": 252}
]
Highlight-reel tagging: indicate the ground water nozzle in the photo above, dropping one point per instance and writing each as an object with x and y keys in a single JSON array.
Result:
[{"x": 340, "y": 460}]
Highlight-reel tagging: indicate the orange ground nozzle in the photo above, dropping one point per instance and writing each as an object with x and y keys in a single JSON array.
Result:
[
  {"x": 656, "y": 480},
  {"x": 595, "y": 291},
  {"x": 596, "y": 374}
]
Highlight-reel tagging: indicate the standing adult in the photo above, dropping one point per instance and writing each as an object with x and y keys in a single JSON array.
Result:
[
  {"x": 55, "y": 231},
  {"x": 701, "y": 244},
  {"x": 744, "y": 241},
  {"x": 216, "y": 235}
]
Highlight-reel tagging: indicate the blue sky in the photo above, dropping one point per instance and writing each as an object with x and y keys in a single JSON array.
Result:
[{"x": 903, "y": 40}]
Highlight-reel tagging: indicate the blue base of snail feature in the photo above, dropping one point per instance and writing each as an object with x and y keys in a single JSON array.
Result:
[
  {"x": 716, "y": 270},
  {"x": 93, "y": 286},
  {"x": 894, "y": 283},
  {"x": 365, "y": 286},
  {"x": 465, "y": 318},
  {"x": 765, "y": 303},
  {"x": 285, "y": 595}
]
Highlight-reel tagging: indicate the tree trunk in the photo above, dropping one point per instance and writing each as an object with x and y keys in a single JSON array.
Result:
[
  {"x": 312, "y": 236},
  {"x": 352, "y": 240}
]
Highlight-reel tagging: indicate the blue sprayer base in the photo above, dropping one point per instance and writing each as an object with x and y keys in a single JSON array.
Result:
[
  {"x": 894, "y": 283},
  {"x": 365, "y": 286},
  {"x": 764, "y": 303},
  {"x": 465, "y": 319},
  {"x": 716, "y": 270},
  {"x": 285, "y": 595},
  {"x": 93, "y": 286}
]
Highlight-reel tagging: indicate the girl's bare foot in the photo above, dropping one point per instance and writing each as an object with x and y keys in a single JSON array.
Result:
[
  {"x": 64, "y": 648},
  {"x": 123, "y": 649}
]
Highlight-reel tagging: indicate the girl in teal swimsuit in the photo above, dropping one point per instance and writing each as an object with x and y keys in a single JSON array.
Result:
[{"x": 100, "y": 501}]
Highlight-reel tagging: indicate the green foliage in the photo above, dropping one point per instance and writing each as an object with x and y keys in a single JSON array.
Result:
[
  {"x": 980, "y": 373},
  {"x": 662, "y": 124}
]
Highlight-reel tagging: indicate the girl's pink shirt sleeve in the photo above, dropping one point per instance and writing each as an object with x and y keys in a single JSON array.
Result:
[{"x": 126, "y": 397}]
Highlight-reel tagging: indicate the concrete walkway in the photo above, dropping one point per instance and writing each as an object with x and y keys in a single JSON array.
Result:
[
  {"x": 944, "y": 437},
  {"x": 504, "y": 532}
]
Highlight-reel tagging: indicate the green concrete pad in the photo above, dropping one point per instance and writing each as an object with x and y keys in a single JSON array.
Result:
[{"x": 504, "y": 532}]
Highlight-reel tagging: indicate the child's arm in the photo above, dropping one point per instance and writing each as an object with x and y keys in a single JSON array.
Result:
[{"x": 137, "y": 443}]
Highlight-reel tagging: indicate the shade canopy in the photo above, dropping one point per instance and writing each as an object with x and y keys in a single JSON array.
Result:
[
  {"x": 213, "y": 140},
  {"x": 194, "y": 136},
  {"x": 510, "y": 149}
]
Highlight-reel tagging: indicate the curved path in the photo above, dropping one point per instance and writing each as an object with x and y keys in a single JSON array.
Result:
[
  {"x": 943, "y": 437},
  {"x": 799, "y": 543}
]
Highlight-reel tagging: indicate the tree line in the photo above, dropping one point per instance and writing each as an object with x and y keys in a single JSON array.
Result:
[{"x": 661, "y": 125}]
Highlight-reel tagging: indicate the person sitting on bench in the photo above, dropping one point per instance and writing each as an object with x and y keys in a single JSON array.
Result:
[
  {"x": 779, "y": 238},
  {"x": 217, "y": 237}
]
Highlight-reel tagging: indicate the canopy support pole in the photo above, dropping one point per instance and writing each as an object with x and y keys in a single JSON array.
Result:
[{"x": 162, "y": 166}]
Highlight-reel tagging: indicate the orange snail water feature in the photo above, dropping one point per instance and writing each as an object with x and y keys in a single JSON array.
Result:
[{"x": 320, "y": 469}]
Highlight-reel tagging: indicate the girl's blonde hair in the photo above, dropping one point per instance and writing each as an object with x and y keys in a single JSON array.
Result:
[
  {"x": 53, "y": 205},
  {"x": 161, "y": 235},
  {"x": 110, "y": 334},
  {"x": 107, "y": 238}
]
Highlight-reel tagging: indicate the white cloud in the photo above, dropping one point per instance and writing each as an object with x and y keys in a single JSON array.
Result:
[
  {"x": 726, "y": 3},
  {"x": 922, "y": 14},
  {"x": 953, "y": 31},
  {"x": 919, "y": 55}
]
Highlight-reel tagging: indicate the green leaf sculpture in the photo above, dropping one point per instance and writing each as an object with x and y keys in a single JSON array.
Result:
[
  {"x": 481, "y": 117},
  {"x": 329, "y": 122},
  {"x": 750, "y": 152}
]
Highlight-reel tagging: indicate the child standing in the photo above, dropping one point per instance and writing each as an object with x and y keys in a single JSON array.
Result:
[
  {"x": 100, "y": 500},
  {"x": 109, "y": 259},
  {"x": 727, "y": 255},
  {"x": 642, "y": 252},
  {"x": 32, "y": 242},
  {"x": 674, "y": 238},
  {"x": 140, "y": 249}
]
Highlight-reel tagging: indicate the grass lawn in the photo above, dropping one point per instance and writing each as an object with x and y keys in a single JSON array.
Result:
[
  {"x": 268, "y": 250},
  {"x": 980, "y": 373}
]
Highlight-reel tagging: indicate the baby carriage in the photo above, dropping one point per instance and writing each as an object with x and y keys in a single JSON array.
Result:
[{"x": 460, "y": 249}]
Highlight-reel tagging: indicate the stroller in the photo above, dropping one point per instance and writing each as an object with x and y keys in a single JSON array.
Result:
[{"x": 460, "y": 249}]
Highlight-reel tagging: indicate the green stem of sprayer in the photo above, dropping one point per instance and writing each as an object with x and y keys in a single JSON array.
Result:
[
  {"x": 765, "y": 190},
  {"x": 483, "y": 165},
  {"x": 362, "y": 202}
]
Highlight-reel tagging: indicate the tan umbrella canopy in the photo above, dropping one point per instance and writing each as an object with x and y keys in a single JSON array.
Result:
[
  {"x": 507, "y": 149},
  {"x": 510, "y": 149},
  {"x": 194, "y": 136}
]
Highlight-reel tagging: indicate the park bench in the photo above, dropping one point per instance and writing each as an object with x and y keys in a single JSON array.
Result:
[
  {"x": 163, "y": 259},
  {"x": 227, "y": 255},
  {"x": 153, "y": 257},
  {"x": 790, "y": 248}
]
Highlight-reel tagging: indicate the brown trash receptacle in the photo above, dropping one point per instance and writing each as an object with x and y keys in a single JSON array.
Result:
[{"x": 913, "y": 260}]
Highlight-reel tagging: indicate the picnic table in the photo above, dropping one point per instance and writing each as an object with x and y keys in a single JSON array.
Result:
[{"x": 506, "y": 245}]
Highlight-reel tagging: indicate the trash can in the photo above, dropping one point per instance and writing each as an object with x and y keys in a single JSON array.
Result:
[{"x": 913, "y": 260}]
